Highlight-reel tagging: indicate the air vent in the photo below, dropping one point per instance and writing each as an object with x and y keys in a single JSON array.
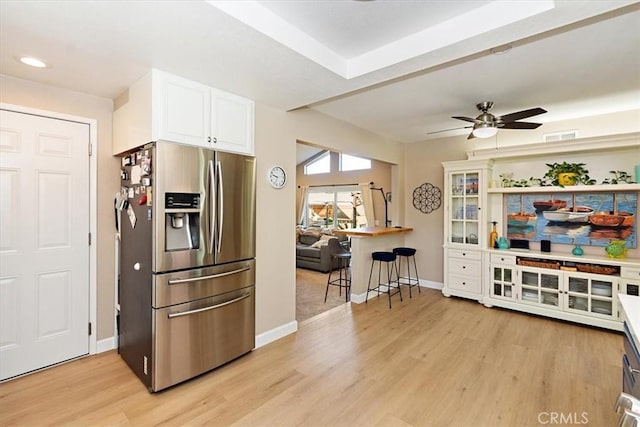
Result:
[{"x": 560, "y": 136}]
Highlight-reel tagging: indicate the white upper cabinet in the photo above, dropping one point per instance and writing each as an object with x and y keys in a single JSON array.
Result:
[
  {"x": 182, "y": 110},
  {"x": 232, "y": 122},
  {"x": 162, "y": 106}
]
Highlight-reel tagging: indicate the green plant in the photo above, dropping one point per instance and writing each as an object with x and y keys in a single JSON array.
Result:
[
  {"x": 619, "y": 177},
  {"x": 520, "y": 183},
  {"x": 582, "y": 174}
]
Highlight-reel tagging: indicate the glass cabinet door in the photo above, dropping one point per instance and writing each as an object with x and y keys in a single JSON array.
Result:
[
  {"x": 503, "y": 282},
  {"x": 540, "y": 286},
  {"x": 591, "y": 294},
  {"x": 463, "y": 213}
]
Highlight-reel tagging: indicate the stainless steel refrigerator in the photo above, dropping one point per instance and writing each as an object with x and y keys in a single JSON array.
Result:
[{"x": 187, "y": 269}]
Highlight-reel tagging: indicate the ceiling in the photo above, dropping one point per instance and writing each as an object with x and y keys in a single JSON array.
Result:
[{"x": 398, "y": 68}]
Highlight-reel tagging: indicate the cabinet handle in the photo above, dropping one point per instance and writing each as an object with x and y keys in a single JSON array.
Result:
[
  {"x": 209, "y": 139},
  {"x": 215, "y": 139},
  {"x": 464, "y": 267},
  {"x": 464, "y": 283}
]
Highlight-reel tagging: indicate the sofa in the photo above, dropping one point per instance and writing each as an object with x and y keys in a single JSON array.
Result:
[{"x": 312, "y": 251}]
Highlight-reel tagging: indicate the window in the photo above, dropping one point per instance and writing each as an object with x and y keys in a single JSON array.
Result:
[
  {"x": 320, "y": 165},
  {"x": 353, "y": 163},
  {"x": 337, "y": 207}
]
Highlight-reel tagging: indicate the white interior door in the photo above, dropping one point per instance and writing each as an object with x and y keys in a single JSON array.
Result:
[{"x": 44, "y": 248}]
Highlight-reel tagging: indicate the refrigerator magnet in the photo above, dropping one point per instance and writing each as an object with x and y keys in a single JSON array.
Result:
[{"x": 132, "y": 216}]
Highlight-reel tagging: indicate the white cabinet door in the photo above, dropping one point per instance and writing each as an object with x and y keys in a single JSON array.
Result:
[
  {"x": 541, "y": 286},
  {"x": 503, "y": 282},
  {"x": 182, "y": 110},
  {"x": 232, "y": 122},
  {"x": 591, "y": 294}
]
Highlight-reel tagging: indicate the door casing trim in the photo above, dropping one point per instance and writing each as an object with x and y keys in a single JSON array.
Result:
[{"x": 93, "y": 203}]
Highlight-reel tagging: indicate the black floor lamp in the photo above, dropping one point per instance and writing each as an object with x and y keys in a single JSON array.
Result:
[{"x": 387, "y": 223}]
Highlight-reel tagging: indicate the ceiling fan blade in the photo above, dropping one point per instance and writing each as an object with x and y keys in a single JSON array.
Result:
[
  {"x": 519, "y": 125},
  {"x": 471, "y": 136},
  {"x": 466, "y": 119},
  {"x": 507, "y": 118},
  {"x": 447, "y": 130}
]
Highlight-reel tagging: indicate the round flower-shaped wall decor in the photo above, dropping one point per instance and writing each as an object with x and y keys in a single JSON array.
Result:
[{"x": 427, "y": 198}]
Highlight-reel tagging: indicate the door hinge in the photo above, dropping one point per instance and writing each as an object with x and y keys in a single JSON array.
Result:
[
  {"x": 90, "y": 149},
  {"x": 89, "y": 328},
  {"x": 89, "y": 239}
]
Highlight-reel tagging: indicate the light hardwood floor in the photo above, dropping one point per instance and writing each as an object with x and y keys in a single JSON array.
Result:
[
  {"x": 310, "y": 289},
  {"x": 429, "y": 361}
]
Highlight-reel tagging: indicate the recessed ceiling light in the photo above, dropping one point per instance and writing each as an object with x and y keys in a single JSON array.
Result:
[
  {"x": 33, "y": 62},
  {"x": 501, "y": 49}
]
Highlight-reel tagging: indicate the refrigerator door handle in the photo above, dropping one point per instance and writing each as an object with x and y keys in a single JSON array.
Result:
[
  {"x": 212, "y": 205},
  {"x": 211, "y": 276},
  {"x": 221, "y": 205},
  {"x": 211, "y": 307}
]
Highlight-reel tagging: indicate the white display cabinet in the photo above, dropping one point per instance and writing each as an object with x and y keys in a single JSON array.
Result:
[{"x": 465, "y": 227}]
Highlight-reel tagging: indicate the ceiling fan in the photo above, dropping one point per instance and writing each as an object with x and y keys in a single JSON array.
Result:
[{"x": 486, "y": 124}]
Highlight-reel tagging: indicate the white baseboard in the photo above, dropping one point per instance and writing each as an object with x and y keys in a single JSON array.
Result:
[
  {"x": 276, "y": 333},
  {"x": 106, "y": 345},
  {"x": 432, "y": 285},
  {"x": 360, "y": 298},
  {"x": 261, "y": 340}
]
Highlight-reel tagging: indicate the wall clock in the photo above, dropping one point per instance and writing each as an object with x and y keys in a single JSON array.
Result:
[
  {"x": 277, "y": 177},
  {"x": 427, "y": 198}
]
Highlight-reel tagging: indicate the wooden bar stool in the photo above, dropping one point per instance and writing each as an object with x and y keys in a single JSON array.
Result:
[
  {"x": 389, "y": 258},
  {"x": 338, "y": 252},
  {"x": 407, "y": 254}
]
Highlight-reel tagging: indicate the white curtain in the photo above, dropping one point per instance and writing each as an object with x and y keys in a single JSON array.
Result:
[
  {"x": 303, "y": 190},
  {"x": 367, "y": 201}
]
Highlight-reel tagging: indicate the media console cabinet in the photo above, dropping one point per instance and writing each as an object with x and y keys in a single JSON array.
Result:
[{"x": 556, "y": 284}]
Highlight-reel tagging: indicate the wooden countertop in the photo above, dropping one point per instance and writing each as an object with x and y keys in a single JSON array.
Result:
[{"x": 371, "y": 231}]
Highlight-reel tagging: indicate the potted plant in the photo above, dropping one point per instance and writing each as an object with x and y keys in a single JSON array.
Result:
[
  {"x": 565, "y": 173},
  {"x": 620, "y": 177}
]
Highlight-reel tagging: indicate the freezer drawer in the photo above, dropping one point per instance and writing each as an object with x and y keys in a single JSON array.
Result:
[
  {"x": 190, "y": 285},
  {"x": 192, "y": 338}
]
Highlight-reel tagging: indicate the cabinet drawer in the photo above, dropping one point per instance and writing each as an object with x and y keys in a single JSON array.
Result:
[
  {"x": 464, "y": 267},
  {"x": 465, "y": 283},
  {"x": 631, "y": 351},
  {"x": 457, "y": 253},
  {"x": 630, "y": 272},
  {"x": 503, "y": 259}
]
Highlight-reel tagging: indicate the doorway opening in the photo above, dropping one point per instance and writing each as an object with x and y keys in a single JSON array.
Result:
[{"x": 333, "y": 193}]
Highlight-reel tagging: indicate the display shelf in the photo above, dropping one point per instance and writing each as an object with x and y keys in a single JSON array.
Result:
[
  {"x": 584, "y": 259},
  {"x": 608, "y": 188}
]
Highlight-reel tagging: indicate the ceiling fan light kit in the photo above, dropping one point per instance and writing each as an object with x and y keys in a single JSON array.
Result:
[{"x": 484, "y": 130}]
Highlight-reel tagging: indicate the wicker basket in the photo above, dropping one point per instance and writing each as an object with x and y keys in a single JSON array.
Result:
[
  {"x": 597, "y": 269},
  {"x": 553, "y": 265}
]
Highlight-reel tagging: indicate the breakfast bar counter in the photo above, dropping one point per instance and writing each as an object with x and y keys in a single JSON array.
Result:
[{"x": 364, "y": 241}]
